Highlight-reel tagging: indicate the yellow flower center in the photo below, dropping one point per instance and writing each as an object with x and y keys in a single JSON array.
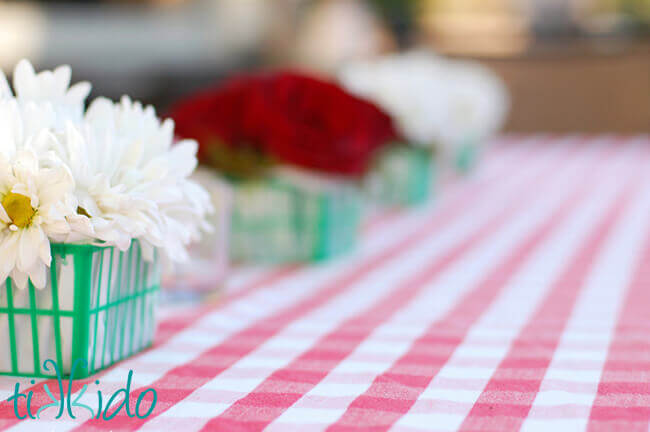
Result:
[
  {"x": 19, "y": 209},
  {"x": 82, "y": 211}
]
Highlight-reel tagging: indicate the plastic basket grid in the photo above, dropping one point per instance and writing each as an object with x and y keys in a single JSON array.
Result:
[
  {"x": 467, "y": 157},
  {"x": 403, "y": 175},
  {"x": 98, "y": 306},
  {"x": 277, "y": 220}
]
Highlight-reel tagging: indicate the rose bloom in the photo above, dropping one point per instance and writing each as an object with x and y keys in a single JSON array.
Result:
[{"x": 292, "y": 118}]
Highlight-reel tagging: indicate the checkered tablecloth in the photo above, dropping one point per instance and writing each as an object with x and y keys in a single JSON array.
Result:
[{"x": 518, "y": 300}]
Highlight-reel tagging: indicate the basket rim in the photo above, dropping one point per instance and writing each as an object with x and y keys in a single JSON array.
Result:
[{"x": 84, "y": 247}]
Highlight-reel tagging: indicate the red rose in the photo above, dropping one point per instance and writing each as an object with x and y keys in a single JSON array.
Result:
[
  {"x": 293, "y": 118},
  {"x": 223, "y": 114},
  {"x": 318, "y": 125},
  {"x": 225, "y": 123}
]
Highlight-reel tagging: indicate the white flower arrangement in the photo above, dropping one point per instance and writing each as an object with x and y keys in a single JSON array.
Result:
[
  {"x": 434, "y": 100},
  {"x": 107, "y": 175}
]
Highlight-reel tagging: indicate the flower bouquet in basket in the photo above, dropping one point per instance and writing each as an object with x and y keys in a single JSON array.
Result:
[
  {"x": 91, "y": 201},
  {"x": 442, "y": 108},
  {"x": 294, "y": 149}
]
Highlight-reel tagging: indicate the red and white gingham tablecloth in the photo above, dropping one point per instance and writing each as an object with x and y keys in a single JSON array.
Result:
[{"x": 518, "y": 300}]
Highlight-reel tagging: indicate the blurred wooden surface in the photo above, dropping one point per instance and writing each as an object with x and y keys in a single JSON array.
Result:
[{"x": 575, "y": 88}]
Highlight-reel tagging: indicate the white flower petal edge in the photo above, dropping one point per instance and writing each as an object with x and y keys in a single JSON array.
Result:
[
  {"x": 51, "y": 87},
  {"x": 5, "y": 91}
]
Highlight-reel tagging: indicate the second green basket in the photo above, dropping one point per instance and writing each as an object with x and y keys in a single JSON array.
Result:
[{"x": 293, "y": 216}]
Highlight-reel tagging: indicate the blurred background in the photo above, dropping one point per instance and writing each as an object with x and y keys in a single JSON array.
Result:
[{"x": 570, "y": 65}]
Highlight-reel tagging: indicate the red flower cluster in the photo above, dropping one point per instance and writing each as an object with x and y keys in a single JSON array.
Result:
[{"x": 293, "y": 118}]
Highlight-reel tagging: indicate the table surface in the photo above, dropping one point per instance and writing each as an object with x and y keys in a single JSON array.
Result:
[{"x": 518, "y": 299}]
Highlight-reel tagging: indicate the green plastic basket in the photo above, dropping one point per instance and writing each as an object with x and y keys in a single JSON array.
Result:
[
  {"x": 98, "y": 306},
  {"x": 402, "y": 175},
  {"x": 285, "y": 219},
  {"x": 467, "y": 157}
]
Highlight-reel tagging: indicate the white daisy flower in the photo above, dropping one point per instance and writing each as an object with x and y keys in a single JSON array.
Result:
[
  {"x": 105, "y": 212},
  {"x": 106, "y": 176},
  {"x": 168, "y": 210},
  {"x": 434, "y": 101},
  {"x": 476, "y": 103},
  {"x": 32, "y": 211}
]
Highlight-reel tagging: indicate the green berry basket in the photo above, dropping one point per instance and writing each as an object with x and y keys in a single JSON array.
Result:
[
  {"x": 466, "y": 157},
  {"x": 98, "y": 307},
  {"x": 292, "y": 216},
  {"x": 402, "y": 175}
]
